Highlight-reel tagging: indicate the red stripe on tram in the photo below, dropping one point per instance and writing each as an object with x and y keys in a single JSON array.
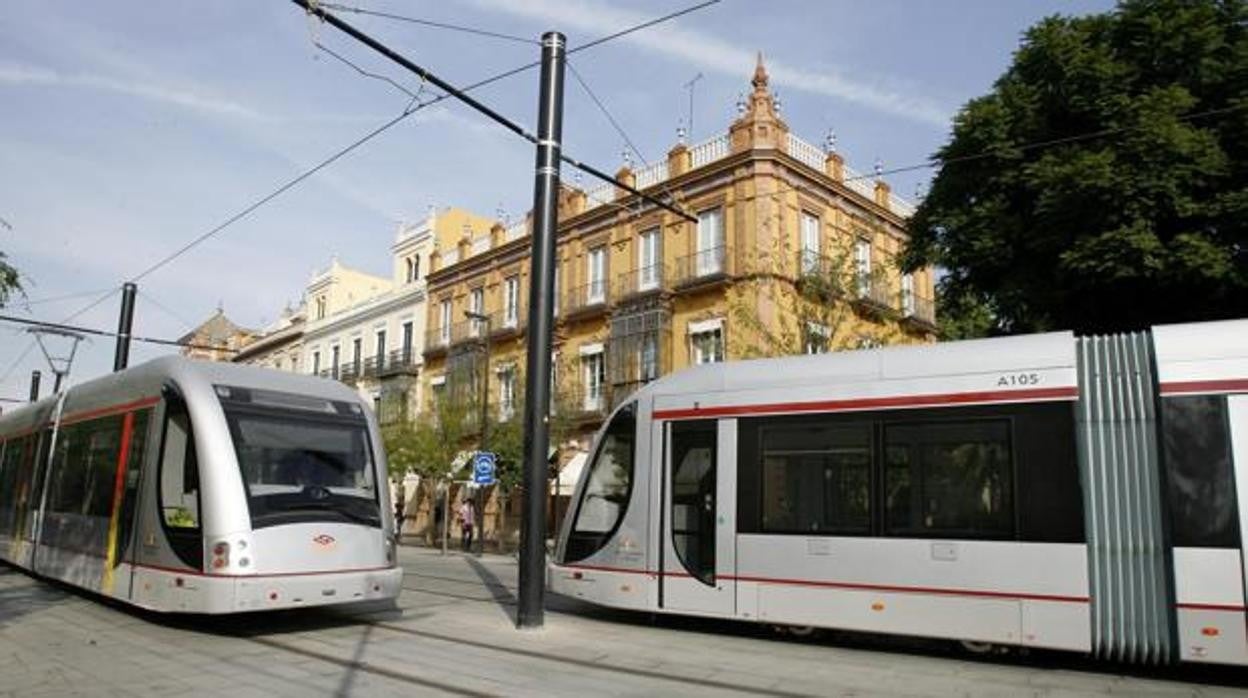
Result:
[
  {"x": 1210, "y": 386},
  {"x": 851, "y": 585},
  {"x": 1063, "y": 393},
  {"x": 1210, "y": 607}
]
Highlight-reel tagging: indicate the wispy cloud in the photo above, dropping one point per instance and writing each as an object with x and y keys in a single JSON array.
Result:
[
  {"x": 710, "y": 53},
  {"x": 21, "y": 74}
]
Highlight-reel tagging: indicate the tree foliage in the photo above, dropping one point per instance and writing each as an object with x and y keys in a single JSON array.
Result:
[
  {"x": 783, "y": 314},
  {"x": 10, "y": 282},
  {"x": 1103, "y": 184}
]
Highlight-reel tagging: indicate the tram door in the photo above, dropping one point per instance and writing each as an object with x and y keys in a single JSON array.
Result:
[
  {"x": 1237, "y": 416},
  {"x": 699, "y": 517}
]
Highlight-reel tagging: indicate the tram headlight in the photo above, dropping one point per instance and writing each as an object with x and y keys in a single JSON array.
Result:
[{"x": 220, "y": 555}]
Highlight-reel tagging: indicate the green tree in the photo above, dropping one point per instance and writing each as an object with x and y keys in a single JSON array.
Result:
[
  {"x": 1102, "y": 184},
  {"x": 10, "y": 283}
]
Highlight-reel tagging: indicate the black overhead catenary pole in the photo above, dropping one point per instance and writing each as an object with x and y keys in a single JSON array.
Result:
[
  {"x": 121, "y": 358},
  {"x": 35, "y": 377},
  {"x": 530, "y": 611}
]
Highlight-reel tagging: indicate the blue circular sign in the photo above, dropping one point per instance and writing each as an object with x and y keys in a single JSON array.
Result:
[{"x": 483, "y": 468}]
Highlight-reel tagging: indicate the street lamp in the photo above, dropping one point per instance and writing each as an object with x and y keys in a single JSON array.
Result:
[{"x": 485, "y": 414}]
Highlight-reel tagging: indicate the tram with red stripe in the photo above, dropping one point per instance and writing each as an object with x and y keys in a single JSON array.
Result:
[
  {"x": 198, "y": 487},
  {"x": 1078, "y": 493}
]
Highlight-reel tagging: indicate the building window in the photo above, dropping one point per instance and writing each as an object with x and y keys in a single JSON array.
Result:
[
  {"x": 816, "y": 340},
  {"x": 506, "y": 392},
  {"x": 862, "y": 265},
  {"x": 554, "y": 307},
  {"x": 407, "y": 341},
  {"x": 381, "y": 348},
  {"x": 949, "y": 479},
  {"x": 649, "y": 256},
  {"x": 316, "y": 362},
  {"x": 333, "y": 368},
  {"x": 710, "y": 251},
  {"x": 907, "y": 294},
  {"x": 412, "y": 266},
  {"x": 811, "y": 243},
  {"x": 706, "y": 345},
  {"x": 407, "y": 264},
  {"x": 356, "y": 351},
  {"x": 594, "y": 376},
  {"x": 476, "y": 304},
  {"x": 320, "y": 307},
  {"x": 511, "y": 301},
  {"x": 650, "y": 356},
  {"x": 596, "y": 289},
  {"x": 444, "y": 325},
  {"x": 294, "y": 364}
]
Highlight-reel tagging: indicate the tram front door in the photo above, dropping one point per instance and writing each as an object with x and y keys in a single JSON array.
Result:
[{"x": 699, "y": 517}]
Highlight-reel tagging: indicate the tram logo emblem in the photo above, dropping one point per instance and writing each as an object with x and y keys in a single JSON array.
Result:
[{"x": 324, "y": 540}]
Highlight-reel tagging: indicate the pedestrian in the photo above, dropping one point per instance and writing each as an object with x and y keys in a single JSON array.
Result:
[
  {"x": 467, "y": 519},
  {"x": 400, "y": 513}
]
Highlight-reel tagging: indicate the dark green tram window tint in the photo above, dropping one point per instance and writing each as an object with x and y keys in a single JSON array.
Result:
[
  {"x": 1199, "y": 480},
  {"x": 85, "y": 467},
  {"x": 816, "y": 478},
  {"x": 949, "y": 479}
]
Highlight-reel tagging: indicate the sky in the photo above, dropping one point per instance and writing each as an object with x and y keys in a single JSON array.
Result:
[{"x": 129, "y": 128}]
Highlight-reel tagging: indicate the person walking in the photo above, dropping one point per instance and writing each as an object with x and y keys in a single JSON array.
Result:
[{"x": 467, "y": 520}]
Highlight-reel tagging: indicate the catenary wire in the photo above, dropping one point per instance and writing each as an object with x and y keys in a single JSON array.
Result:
[
  {"x": 165, "y": 309},
  {"x": 106, "y": 333},
  {"x": 430, "y": 23},
  {"x": 339, "y": 154}
]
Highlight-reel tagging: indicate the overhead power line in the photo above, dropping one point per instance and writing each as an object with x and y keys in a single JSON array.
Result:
[
  {"x": 430, "y": 23},
  {"x": 105, "y": 333},
  {"x": 312, "y": 8},
  {"x": 31, "y": 345}
]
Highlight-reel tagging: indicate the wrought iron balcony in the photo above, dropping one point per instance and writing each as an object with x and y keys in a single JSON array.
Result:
[
  {"x": 584, "y": 299},
  {"x": 707, "y": 266},
  {"x": 872, "y": 296},
  {"x": 585, "y": 403},
  {"x": 641, "y": 281},
  {"x": 820, "y": 276},
  {"x": 918, "y": 313}
]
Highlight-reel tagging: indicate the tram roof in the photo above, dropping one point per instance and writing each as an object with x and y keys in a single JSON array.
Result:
[{"x": 976, "y": 356}]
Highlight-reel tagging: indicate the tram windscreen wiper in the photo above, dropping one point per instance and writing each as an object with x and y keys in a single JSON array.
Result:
[{"x": 323, "y": 499}]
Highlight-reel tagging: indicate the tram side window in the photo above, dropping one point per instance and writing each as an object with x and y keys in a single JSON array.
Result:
[
  {"x": 179, "y": 471},
  {"x": 816, "y": 478},
  {"x": 1199, "y": 478},
  {"x": 950, "y": 479},
  {"x": 85, "y": 467},
  {"x": 607, "y": 492}
]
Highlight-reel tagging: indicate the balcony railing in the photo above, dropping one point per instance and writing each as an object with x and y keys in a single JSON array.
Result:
[
  {"x": 702, "y": 266},
  {"x": 504, "y": 321},
  {"x": 586, "y": 402},
  {"x": 437, "y": 339},
  {"x": 918, "y": 312},
  {"x": 585, "y": 298},
  {"x": 873, "y": 295},
  {"x": 820, "y": 276},
  {"x": 641, "y": 281}
]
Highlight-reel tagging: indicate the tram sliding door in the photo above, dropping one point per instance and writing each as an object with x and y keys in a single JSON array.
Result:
[
  {"x": 699, "y": 517},
  {"x": 1237, "y": 416}
]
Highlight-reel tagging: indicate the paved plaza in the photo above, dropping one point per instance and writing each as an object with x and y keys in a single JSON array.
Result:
[{"x": 454, "y": 635}]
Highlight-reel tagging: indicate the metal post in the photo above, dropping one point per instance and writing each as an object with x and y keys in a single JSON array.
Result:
[
  {"x": 121, "y": 358},
  {"x": 485, "y": 428},
  {"x": 35, "y": 377},
  {"x": 530, "y": 611},
  {"x": 446, "y": 515}
]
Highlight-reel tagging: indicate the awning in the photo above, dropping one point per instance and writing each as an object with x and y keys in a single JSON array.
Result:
[{"x": 565, "y": 484}]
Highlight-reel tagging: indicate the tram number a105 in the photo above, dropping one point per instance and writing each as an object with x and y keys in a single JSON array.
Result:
[{"x": 1014, "y": 379}]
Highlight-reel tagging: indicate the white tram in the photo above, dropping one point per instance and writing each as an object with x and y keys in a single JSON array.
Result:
[
  {"x": 1086, "y": 494},
  {"x": 199, "y": 487}
]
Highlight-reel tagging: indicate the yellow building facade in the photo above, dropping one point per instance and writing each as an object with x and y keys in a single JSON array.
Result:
[{"x": 791, "y": 251}]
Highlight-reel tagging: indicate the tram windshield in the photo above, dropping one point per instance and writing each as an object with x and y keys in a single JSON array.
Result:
[{"x": 300, "y": 467}]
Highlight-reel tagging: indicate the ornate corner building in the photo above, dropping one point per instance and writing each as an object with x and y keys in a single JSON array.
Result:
[{"x": 792, "y": 251}]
